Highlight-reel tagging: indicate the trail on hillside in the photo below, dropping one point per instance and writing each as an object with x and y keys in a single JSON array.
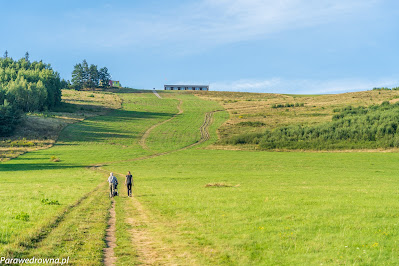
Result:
[
  {"x": 110, "y": 238},
  {"x": 156, "y": 94},
  {"x": 147, "y": 133},
  {"x": 149, "y": 255},
  {"x": 204, "y": 137}
]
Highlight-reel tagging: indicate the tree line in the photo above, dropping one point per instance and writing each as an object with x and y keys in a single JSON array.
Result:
[
  {"x": 376, "y": 126},
  {"x": 85, "y": 76},
  {"x": 26, "y": 86}
]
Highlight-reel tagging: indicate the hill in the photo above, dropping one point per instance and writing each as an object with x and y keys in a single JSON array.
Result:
[
  {"x": 193, "y": 204},
  {"x": 254, "y": 116}
]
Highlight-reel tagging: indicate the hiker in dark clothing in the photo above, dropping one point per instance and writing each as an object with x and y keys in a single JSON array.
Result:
[{"x": 129, "y": 183}]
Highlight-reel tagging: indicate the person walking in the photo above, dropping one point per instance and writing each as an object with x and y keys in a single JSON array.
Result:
[
  {"x": 129, "y": 183},
  {"x": 112, "y": 181}
]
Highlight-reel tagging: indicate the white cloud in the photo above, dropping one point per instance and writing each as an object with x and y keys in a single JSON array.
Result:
[
  {"x": 204, "y": 24},
  {"x": 278, "y": 85}
]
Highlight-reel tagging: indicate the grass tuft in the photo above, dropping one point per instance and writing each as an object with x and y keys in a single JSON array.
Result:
[
  {"x": 50, "y": 202},
  {"x": 23, "y": 216}
]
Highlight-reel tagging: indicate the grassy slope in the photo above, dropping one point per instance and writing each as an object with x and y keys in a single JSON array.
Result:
[
  {"x": 183, "y": 130},
  {"x": 102, "y": 139},
  {"x": 33, "y": 177},
  {"x": 289, "y": 208},
  {"x": 257, "y": 107}
]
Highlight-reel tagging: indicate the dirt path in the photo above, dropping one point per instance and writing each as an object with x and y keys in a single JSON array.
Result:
[
  {"x": 144, "y": 243},
  {"x": 147, "y": 133},
  {"x": 204, "y": 137},
  {"x": 142, "y": 240},
  {"x": 110, "y": 239},
  {"x": 156, "y": 94}
]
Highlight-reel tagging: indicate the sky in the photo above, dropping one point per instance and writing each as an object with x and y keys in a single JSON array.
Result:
[{"x": 286, "y": 46}]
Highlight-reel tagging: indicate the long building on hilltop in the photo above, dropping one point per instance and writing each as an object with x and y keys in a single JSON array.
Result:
[{"x": 186, "y": 87}]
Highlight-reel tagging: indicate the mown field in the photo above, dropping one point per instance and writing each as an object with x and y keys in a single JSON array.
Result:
[{"x": 198, "y": 206}]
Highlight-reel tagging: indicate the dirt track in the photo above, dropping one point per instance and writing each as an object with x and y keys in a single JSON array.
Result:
[
  {"x": 147, "y": 133},
  {"x": 142, "y": 240}
]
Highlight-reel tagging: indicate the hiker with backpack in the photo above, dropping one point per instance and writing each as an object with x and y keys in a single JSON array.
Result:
[
  {"x": 113, "y": 182},
  {"x": 129, "y": 183}
]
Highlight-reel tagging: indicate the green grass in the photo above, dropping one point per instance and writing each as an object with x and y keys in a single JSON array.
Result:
[
  {"x": 274, "y": 208},
  {"x": 34, "y": 177},
  {"x": 289, "y": 208},
  {"x": 182, "y": 130},
  {"x": 80, "y": 236},
  {"x": 124, "y": 251}
]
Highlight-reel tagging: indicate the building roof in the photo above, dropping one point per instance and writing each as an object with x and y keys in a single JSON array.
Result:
[{"x": 187, "y": 85}]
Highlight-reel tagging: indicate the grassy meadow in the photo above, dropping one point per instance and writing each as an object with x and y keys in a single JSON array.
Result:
[
  {"x": 200, "y": 205},
  {"x": 274, "y": 208}
]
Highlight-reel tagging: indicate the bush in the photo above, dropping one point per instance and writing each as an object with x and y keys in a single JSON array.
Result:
[
  {"x": 9, "y": 119},
  {"x": 50, "y": 202},
  {"x": 23, "y": 216},
  {"x": 374, "y": 127}
]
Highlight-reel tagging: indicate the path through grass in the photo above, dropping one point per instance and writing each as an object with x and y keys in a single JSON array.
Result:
[{"x": 274, "y": 208}]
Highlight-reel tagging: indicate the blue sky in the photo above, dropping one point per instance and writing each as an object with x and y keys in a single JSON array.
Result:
[{"x": 290, "y": 46}]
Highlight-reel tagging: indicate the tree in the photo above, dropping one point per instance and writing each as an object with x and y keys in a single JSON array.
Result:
[
  {"x": 77, "y": 77},
  {"x": 93, "y": 76},
  {"x": 64, "y": 84},
  {"x": 86, "y": 75},
  {"x": 9, "y": 118},
  {"x": 104, "y": 77}
]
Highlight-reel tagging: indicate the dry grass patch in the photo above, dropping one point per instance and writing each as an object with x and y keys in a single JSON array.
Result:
[
  {"x": 220, "y": 185},
  {"x": 248, "y": 109},
  {"x": 41, "y": 130}
]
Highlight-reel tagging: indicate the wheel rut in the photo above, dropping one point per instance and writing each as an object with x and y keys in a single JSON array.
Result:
[
  {"x": 148, "y": 131},
  {"x": 31, "y": 243},
  {"x": 110, "y": 238}
]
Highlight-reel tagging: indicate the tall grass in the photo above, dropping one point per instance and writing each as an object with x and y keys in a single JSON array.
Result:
[{"x": 353, "y": 127}]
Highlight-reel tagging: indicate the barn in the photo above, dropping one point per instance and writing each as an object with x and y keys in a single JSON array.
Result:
[{"x": 186, "y": 87}]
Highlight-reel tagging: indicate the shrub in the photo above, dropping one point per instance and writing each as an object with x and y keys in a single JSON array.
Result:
[
  {"x": 50, "y": 202},
  {"x": 23, "y": 216},
  {"x": 353, "y": 127},
  {"x": 22, "y": 143}
]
